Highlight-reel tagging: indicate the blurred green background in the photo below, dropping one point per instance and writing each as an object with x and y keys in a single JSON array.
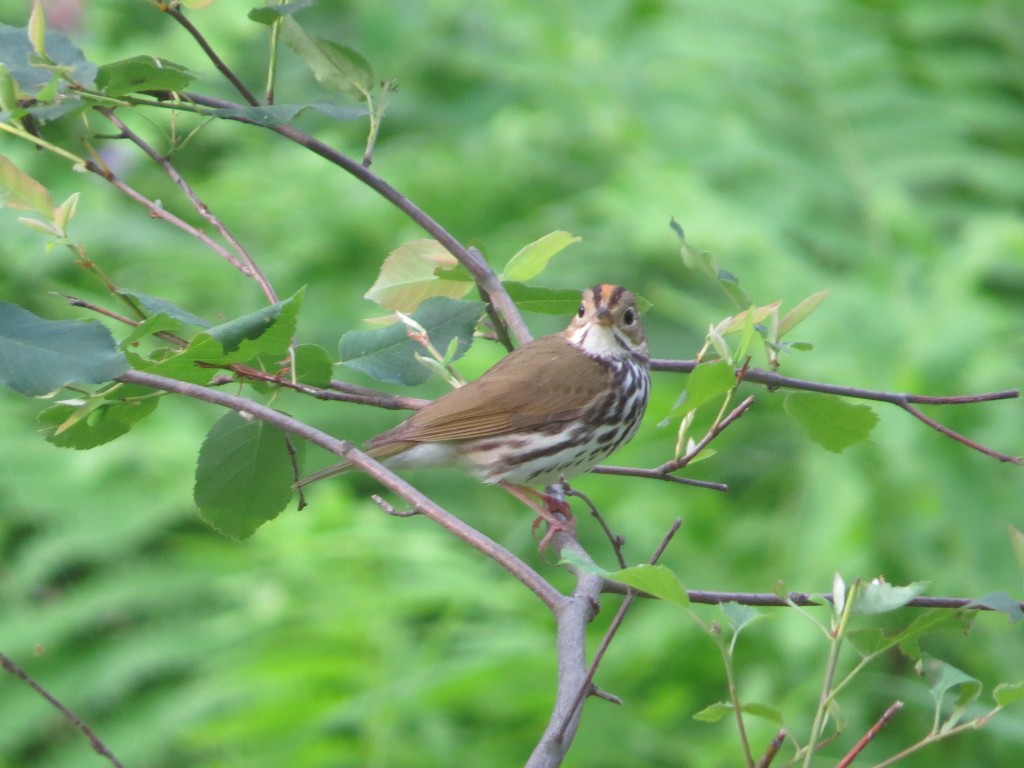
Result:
[{"x": 874, "y": 148}]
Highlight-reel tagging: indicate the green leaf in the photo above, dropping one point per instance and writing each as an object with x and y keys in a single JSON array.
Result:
[
  {"x": 1002, "y": 602},
  {"x": 1017, "y": 543},
  {"x": 270, "y": 13},
  {"x": 22, "y": 191},
  {"x": 32, "y": 74},
  {"x": 943, "y": 677},
  {"x": 313, "y": 366},
  {"x": 706, "y": 382},
  {"x": 92, "y": 423},
  {"x": 335, "y": 66},
  {"x": 533, "y": 258},
  {"x": 274, "y": 326},
  {"x": 37, "y": 28},
  {"x": 278, "y": 114},
  {"x": 879, "y": 597},
  {"x": 721, "y": 709},
  {"x": 40, "y": 356},
  {"x": 388, "y": 354},
  {"x": 547, "y": 301},
  {"x": 409, "y": 276},
  {"x": 1008, "y": 693},
  {"x": 799, "y": 313},
  {"x": 142, "y": 73},
  {"x": 868, "y": 641},
  {"x": 832, "y": 423},
  {"x": 740, "y": 616},
  {"x": 706, "y": 264},
  {"x": 926, "y": 623},
  {"x": 656, "y": 580},
  {"x": 154, "y": 306},
  {"x": 244, "y": 475},
  {"x": 158, "y": 323}
]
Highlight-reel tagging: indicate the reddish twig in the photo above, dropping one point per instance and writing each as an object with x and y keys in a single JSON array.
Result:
[
  {"x": 888, "y": 715},
  {"x": 94, "y": 741},
  {"x": 773, "y": 749}
]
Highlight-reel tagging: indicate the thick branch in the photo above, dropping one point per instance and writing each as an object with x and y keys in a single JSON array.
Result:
[{"x": 533, "y": 580}]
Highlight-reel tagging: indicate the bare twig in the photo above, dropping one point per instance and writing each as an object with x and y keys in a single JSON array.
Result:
[
  {"x": 172, "y": 10},
  {"x": 246, "y": 264},
  {"x": 616, "y": 540},
  {"x": 94, "y": 741},
  {"x": 888, "y": 715}
]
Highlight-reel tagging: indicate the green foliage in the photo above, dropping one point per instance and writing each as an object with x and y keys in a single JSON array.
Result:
[
  {"x": 389, "y": 354},
  {"x": 39, "y": 356},
  {"x": 834, "y": 424},
  {"x": 245, "y": 473},
  {"x": 868, "y": 150}
]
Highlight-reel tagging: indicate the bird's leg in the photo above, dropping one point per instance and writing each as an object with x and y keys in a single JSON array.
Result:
[{"x": 553, "y": 510}]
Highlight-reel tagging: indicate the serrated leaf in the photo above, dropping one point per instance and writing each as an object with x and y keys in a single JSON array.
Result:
[
  {"x": 268, "y": 14},
  {"x": 879, "y": 597},
  {"x": 335, "y": 66},
  {"x": 155, "y": 306},
  {"x": 1008, "y": 693},
  {"x": 532, "y": 259},
  {"x": 706, "y": 382},
  {"x": 142, "y": 73},
  {"x": 829, "y": 421},
  {"x": 799, "y": 313},
  {"x": 1001, "y": 602},
  {"x": 656, "y": 580},
  {"x": 547, "y": 301},
  {"x": 244, "y": 475},
  {"x": 99, "y": 423},
  {"x": 313, "y": 365},
  {"x": 409, "y": 276},
  {"x": 23, "y": 192},
  {"x": 273, "y": 326},
  {"x": 925, "y": 623},
  {"x": 868, "y": 641},
  {"x": 388, "y": 354},
  {"x": 39, "y": 356}
]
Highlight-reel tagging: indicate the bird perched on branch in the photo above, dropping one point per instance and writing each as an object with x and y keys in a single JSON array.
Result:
[{"x": 549, "y": 410}]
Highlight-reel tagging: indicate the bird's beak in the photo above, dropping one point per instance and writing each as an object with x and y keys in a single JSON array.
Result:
[{"x": 604, "y": 317}]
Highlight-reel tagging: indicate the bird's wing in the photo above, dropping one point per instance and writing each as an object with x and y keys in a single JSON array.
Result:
[{"x": 546, "y": 381}]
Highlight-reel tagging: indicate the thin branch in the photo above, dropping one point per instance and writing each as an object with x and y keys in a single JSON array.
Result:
[
  {"x": 172, "y": 10},
  {"x": 74, "y": 301},
  {"x": 904, "y": 401},
  {"x": 247, "y": 264},
  {"x": 773, "y": 749},
  {"x": 873, "y": 731},
  {"x": 485, "y": 277},
  {"x": 94, "y": 741},
  {"x": 769, "y": 600},
  {"x": 157, "y": 211},
  {"x": 523, "y": 572}
]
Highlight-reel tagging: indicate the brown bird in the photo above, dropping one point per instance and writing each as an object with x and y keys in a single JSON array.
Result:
[{"x": 553, "y": 408}]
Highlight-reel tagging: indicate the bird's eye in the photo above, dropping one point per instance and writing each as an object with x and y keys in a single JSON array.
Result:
[
  {"x": 629, "y": 317},
  {"x": 581, "y": 312}
]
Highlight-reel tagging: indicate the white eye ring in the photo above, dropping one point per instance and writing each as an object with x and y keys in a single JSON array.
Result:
[
  {"x": 581, "y": 312},
  {"x": 629, "y": 317}
]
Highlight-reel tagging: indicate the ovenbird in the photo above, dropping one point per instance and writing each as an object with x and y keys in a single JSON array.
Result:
[{"x": 552, "y": 408}]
